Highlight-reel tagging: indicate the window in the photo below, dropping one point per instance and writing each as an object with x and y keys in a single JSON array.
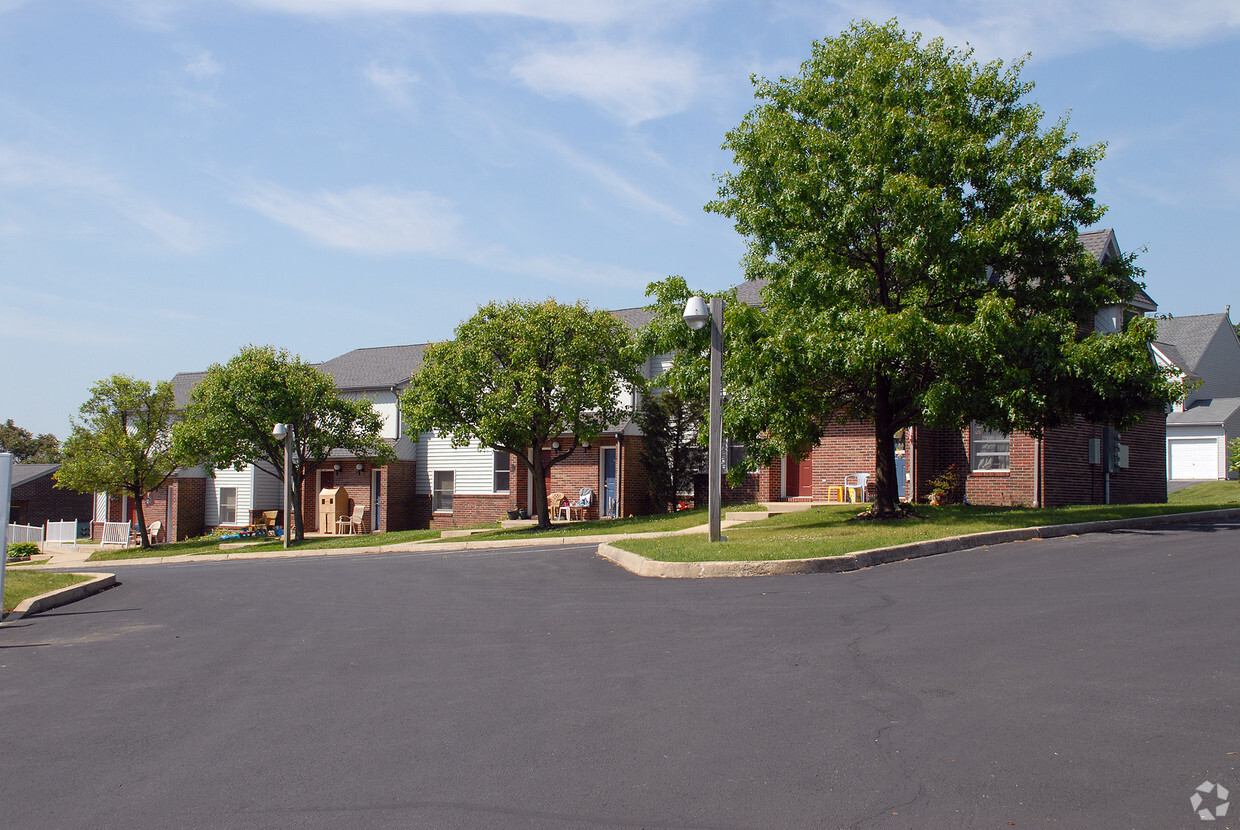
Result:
[
  {"x": 991, "y": 450},
  {"x": 441, "y": 497},
  {"x": 228, "y": 505},
  {"x": 501, "y": 468}
]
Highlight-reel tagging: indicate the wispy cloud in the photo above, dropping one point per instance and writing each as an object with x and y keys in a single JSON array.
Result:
[
  {"x": 394, "y": 83},
  {"x": 203, "y": 65},
  {"x": 634, "y": 83},
  {"x": 559, "y": 11},
  {"x": 1053, "y": 27},
  {"x": 612, "y": 180},
  {"x": 41, "y": 173},
  {"x": 369, "y": 220}
]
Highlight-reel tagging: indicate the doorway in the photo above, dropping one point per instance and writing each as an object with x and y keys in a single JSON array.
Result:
[{"x": 609, "y": 504}]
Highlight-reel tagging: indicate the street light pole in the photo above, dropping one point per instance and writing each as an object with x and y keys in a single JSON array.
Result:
[
  {"x": 283, "y": 431},
  {"x": 696, "y": 317},
  {"x": 6, "y": 481}
]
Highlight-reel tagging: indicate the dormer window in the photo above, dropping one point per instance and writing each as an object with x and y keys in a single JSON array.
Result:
[{"x": 1109, "y": 319}]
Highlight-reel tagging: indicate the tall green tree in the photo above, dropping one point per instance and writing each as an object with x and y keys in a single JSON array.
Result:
[
  {"x": 916, "y": 227},
  {"x": 671, "y": 452},
  {"x": 27, "y": 448},
  {"x": 122, "y": 442},
  {"x": 519, "y": 375},
  {"x": 235, "y": 406}
]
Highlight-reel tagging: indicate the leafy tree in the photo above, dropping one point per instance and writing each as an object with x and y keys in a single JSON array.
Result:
[
  {"x": 521, "y": 374},
  {"x": 26, "y": 447},
  {"x": 1233, "y": 455},
  {"x": 671, "y": 452},
  {"x": 235, "y": 406},
  {"x": 916, "y": 231},
  {"x": 123, "y": 442}
]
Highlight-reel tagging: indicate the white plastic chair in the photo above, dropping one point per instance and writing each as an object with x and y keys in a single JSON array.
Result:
[{"x": 855, "y": 485}]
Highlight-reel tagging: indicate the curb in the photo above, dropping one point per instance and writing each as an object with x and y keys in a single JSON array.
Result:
[
  {"x": 62, "y": 596},
  {"x": 642, "y": 566}
]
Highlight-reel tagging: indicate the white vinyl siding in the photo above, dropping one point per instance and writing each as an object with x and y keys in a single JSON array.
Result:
[
  {"x": 473, "y": 465},
  {"x": 268, "y": 490},
  {"x": 243, "y": 482},
  {"x": 386, "y": 403}
]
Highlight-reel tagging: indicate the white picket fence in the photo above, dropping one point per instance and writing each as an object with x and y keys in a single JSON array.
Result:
[
  {"x": 25, "y": 533},
  {"x": 61, "y": 533},
  {"x": 115, "y": 533}
]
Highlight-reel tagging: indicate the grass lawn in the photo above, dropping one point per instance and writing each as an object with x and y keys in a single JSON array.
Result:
[
  {"x": 210, "y": 545},
  {"x": 827, "y": 531},
  {"x": 1209, "y": 493},
  {"x": 598, "y": 527},
  {"x": 22, "y": 585}
]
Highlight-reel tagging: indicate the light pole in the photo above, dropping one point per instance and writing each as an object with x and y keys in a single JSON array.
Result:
[
  {"x": 696, "y": 317},
  {"x": 6, "y": 481},
  {"x": 283, "y": 431}
]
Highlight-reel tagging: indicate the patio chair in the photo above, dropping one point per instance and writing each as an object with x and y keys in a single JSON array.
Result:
[
  {"x": 584, "y": 499},
  {"x": 557, "y": 505},
  {"x": 152, "y": 531},
  {"x": 353, "y": 523},
  {"x": 855, "y": 486}
]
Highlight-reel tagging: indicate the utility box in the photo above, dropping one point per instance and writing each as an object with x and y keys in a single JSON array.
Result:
[{"x": 333, "y": 505}]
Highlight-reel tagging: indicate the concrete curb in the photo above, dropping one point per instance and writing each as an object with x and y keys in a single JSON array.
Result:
[
  {"x": 62, "y": 596},
  {"x": 642, "y": 566}
]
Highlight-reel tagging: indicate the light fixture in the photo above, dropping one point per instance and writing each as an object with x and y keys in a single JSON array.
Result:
[
  {"x": 585, "y": 445},
  {"x": 336, "y": 468},
  {"x": 282, "y": 432},
  {"x": 361, "y": 467},
  {"x": 696, "y": 314},
  {"x": 555, "y": 445}
]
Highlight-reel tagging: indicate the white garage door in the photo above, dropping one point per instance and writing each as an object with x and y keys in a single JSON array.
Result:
[{"x": 1193, "y": 458}]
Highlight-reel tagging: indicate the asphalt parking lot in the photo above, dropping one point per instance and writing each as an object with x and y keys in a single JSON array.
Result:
[{"x": 1077, "y": 682}]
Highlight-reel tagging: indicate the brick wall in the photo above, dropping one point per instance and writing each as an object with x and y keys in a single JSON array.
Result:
[
  {"x": 187, "y": 508},
  {"x": 1067, "y": 477},
  {"x": 38, "y": 501}
]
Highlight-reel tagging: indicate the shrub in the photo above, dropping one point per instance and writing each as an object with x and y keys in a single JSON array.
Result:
[{"x": 19, "y": 551}]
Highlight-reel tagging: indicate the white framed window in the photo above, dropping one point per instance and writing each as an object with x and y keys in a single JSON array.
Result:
[
  {"x": 989, "y": 449},
  {"x": 501, "y": 466},
  {"x": 444, "y": 486},
  {"x": 228, "y": 505}
]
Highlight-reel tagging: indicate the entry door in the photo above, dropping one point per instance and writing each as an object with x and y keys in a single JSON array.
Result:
[
  {"x": 609, "y": 505},
  {"x": 327, "y": 479},
  {"x": 800, "y": 477}
]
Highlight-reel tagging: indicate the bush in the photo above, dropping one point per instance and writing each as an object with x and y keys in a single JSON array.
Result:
[{"x": 21, "y": 551}]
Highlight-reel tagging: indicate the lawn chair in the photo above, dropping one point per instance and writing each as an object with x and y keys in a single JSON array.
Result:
[
  {"x": 584, "y": 499},
  {"x": 855, "y": 486},
  {"x": 353, "y": 523},
  {"x": 152, "y": 531},
  {"x": 557, "y": 505}
]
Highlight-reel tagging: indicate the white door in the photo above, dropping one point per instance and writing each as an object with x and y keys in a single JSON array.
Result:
[{"x": 1192, "y": 458}]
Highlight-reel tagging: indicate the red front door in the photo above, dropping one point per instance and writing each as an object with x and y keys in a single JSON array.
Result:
[{"x": 800, "y": 476}]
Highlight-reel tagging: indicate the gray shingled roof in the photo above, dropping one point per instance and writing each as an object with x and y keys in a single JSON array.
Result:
[
  {"x": 1191, "y": 336},
  {"x": 1205, "y": 413},
  {"x": 634, "y": 318},
  {"x": 380, "y": 367},
  {"x": 1103, "y": 245},
  {"x": 23, "y": 473},
  {"x": 182, "y": 384}
]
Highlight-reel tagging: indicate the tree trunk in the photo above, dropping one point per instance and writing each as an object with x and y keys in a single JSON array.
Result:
[
  {"x": 538, "y": 473},
  {"x": 887, "y": 493},
  {"x": 137, "y": 501}
]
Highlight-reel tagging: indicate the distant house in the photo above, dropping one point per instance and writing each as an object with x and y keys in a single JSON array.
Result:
[
  {"x": 1203, "y": 348},
  {"x": 36, "y": 500}
]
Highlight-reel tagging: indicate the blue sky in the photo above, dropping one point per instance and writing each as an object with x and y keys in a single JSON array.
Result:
[{"x": 181, "y": 178}]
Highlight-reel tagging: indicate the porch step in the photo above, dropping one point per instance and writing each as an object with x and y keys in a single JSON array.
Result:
[{"x": 512, "y": 524}]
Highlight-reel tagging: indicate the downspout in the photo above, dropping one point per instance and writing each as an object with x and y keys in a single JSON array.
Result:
[{"x": 1037, "y": 472}]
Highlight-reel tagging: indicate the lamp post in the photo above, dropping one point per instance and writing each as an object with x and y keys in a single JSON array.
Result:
[
  {"x": 6, "y": 493},
  {"x": 696, "y": 317},
  {"x": 283, "y": 431}
]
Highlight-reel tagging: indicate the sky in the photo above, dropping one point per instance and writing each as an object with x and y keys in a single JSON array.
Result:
[{"x": 180, "y": 178}]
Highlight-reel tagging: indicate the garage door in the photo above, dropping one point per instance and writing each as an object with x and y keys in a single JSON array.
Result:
[{"x": 1193, "y": 458}]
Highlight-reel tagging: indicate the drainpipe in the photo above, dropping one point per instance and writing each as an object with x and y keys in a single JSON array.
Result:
[{"x": 1037, "y": 472}]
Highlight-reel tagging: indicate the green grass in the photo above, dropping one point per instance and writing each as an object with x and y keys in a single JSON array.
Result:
[
  {"x": 208, "y": 544},
  {"x": 1209, "y": 493},
  {"x": 352, "y": 540},
  {"x": 22, "y": 585},
  {"x": 599, "y": 527},
  {"x": 827, "y": 531}
]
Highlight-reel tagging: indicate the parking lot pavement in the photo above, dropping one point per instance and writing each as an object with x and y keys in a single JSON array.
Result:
[{"x": 1081, "y": 682}]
